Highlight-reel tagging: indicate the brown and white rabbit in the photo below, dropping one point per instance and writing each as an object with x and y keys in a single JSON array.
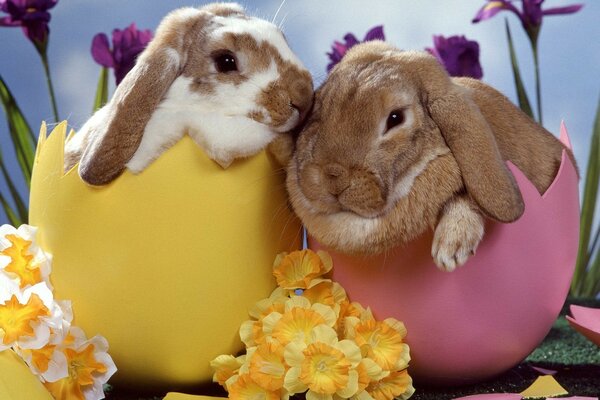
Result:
[
  {"x": 227, "y": 79},
  {"x": 394, "y": 147}
]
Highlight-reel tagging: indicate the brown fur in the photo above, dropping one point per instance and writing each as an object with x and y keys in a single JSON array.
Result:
[{"x": 350, "y": 181}]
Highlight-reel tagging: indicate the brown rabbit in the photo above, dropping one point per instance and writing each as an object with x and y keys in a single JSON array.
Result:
[{"x": 394, "y": 146}]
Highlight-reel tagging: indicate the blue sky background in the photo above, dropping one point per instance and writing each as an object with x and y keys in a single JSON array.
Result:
[{"x": 569, "y": 51}]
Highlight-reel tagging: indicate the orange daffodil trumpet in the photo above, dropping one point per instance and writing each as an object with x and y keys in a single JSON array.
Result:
[
  {"x": 38, "y": 328},
  {"x": 308, "y": 337}
]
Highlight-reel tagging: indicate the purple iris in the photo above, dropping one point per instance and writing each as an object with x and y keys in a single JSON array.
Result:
[
  {"x": 530, "y": 15},
  {"x": 31, "y": 15},
  {"x": 127, "y": 44},
  {"x": 338, "y": 49},
  {"x": 458, "y": 55}
]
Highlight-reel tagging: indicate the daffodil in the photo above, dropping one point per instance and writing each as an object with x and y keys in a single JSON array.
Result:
[
  {"x": 225, "y": 367},
  {"x": 298, "y": 320},
  {"x": 27, "y": 316},
  {"x": 382, "y": 341},
  {"x": 89, "y": 367},
  {"x": 323, "y": 368},
  {"x": 368, "y": 372},
  {"x": 325, "y": 292},
  {"x": 307, "y": 337},
  {"x": 300, "y": 269},
  {"x": 397, "y": 385},
  {"x": 20, "y": 257},
  {"x": 49, "y": 362},
  {"x": 350, "y": 309},
  {"x": 267, "y": 366},
  {"x": 244, "y": 387},
  {"x": 275, "y": 302}
]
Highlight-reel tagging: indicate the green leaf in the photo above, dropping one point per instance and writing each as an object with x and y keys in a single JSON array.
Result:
[
  {"x": 17, "y": 199},
  {"x": 521, "y": 93},
  {"x": 588, "y": 205},
  {"x": 12, "y": 217},
  {"x": 595, "y": 272},
  {"x": 102, "y": 90},
  {"x": 20, "y": 132}
]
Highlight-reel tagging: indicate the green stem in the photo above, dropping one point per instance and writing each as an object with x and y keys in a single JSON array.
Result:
[
  {"x": 538, "y": 87},
  {"x": 46, "y": 65}
]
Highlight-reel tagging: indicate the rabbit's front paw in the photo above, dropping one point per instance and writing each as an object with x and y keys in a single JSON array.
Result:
[{"x": 457, "y": 235}]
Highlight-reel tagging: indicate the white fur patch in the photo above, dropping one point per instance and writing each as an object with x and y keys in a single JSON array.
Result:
[
  {"x": 261, "y": 31},
  {"x": 217, "y": 122}
]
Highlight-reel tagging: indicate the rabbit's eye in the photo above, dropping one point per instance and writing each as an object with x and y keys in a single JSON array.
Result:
[
  {"x": 225, "y": 62},
  {"x": 395, "y": 118}
]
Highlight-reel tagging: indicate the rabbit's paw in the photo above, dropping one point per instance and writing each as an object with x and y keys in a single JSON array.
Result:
[{"x": 457, "y": 235}]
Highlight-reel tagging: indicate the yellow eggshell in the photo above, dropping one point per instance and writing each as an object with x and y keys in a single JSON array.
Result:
[
  {"x": 16, "y": 380},
  {"x": 164, "y": 264}
]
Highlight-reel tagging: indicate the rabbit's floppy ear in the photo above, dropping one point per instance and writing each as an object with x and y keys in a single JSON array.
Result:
[
  {"x": 129, "y": 111},
  {"x": 470, "y": 138},
  {"x": 118, "y": 135}
]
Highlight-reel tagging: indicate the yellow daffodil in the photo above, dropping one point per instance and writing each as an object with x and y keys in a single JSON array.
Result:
[
  {"x": 293, "y": 342},
  {"x": 325, "y": 292},
  {"x": 20, "y": 258},
  {"x": 369, "y": 371},
  {"x": 324, "y": 367},
  {"x": 275, "y": 302},
  {"x": 225, "y": 367},
  {"x": 296, "y": 270},
  {"x": 349, "y": 309},
  {"x": 267, "y": 366},
  {"x": 298, "y": 320},
  {"x": 382, "y": 341},
  {"x": 244, "y": 388},
  {"x": 89, "y": 367},
  {"x": 397, "y": 385},
  {"x": 26, "y": 316}
]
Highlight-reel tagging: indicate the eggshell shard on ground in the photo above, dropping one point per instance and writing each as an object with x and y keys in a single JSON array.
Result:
[
  {"x": 164, "y": 264},
  {"x": 586, "y": 321},
  {"x": 487, "y": 316}
]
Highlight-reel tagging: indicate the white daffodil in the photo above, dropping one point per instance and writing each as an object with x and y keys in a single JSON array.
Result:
[
  {"x": 21, "y": 258},
  {"x": 27, "y": 316},
  {"x": 89, "y": 367}
]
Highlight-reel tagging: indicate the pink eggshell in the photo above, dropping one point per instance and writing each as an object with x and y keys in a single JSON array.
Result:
[
  {"x": 487, "y": 316},
  {"x": 586, "y": 321}
]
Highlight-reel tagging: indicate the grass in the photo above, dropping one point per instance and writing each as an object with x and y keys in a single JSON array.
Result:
[{"x": 576, "y": 359}]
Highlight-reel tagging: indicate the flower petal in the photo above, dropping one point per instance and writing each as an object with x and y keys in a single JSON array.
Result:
[
  {"x": 324, "y": 334},
  {"x": 352, "y": 386},
  {"x": 101, "y": 51},
  {"x": 562, "y": 10},
  {"x": 293, "y": 353},
  {"x": 492, "y": 8},
  {"x": 350, "y": 350},
  {"x": 376, "y": 33},
  {"x": 292, "y": 382}
]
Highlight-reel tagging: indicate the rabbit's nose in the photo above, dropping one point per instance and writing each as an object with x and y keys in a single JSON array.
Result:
[{"x": 336, "y": 178}]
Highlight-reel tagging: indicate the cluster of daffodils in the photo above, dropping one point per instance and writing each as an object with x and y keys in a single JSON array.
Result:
[
  {"x": 307, "y": 337},
  {"x": 38, "y": 328}
]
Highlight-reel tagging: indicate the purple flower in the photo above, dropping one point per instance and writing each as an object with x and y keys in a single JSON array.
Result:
[
  {"x": 530, "y": 15},
  {"x": 32, "y": 16},
  {"x": 339, "y": 49},
  {"x": 127, "y": 44},
  {"x": 458, "y": 55}
]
